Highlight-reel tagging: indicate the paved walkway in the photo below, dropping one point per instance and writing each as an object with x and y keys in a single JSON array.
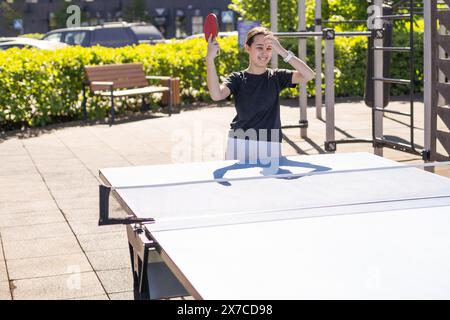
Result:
[{"x": 50, "y": 244}]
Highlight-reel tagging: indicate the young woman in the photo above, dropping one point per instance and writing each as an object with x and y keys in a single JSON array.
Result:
[{"x": 256, "y": 129}]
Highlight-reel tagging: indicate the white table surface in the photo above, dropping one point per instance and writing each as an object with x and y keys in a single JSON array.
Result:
[{"x": 300, "y": 248}]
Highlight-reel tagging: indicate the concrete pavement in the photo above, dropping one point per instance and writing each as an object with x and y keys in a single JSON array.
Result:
[{"x": 51, "y": 246}]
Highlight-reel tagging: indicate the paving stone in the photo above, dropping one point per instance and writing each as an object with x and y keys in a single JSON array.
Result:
[
  {"x": 30, "y": 218},
  {"x": 109, "y": 259},
  {"x": 31, "y": 232},
  {"x": 114, "y": 281},
  {"x": 5, "y": 294},
  {"x": 62, "y": 245},
  {"x": 72, "y": 214},
  {"x": 20, "y": 193},
  {"x": 27, "y": 206},
  {"x": 58, "y": 287},
  {"x": 78, "y": 203},
  {"x": 86, "y": 191},
  {"x": 90, "y": 226},
  {"x": 3, "y": 272},
  {"x": 103, "y": 241},
  {"x": 98, "y": 297},
  {"x": 48, "y": 266},
  {"x": 127, "y": 295}
]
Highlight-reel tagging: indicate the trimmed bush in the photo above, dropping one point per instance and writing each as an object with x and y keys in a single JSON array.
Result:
[
  {"x": 37, "y": 36},
  {"x": 38, "y": 87}
]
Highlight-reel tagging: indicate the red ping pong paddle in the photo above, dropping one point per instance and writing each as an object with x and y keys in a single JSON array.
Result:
[{"x": 211, "y": 26}]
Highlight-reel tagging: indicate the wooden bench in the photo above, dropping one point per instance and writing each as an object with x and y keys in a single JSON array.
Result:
[{"x": 121, "y": 80}]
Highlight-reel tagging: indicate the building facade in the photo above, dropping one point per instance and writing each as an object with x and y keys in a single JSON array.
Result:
[{"x": 174, "y": 18}]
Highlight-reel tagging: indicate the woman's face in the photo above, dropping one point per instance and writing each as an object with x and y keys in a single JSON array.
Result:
[{"x": 260, "y": 52}]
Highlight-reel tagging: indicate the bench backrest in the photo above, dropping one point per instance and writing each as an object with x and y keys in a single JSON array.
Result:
[{"x": 129, "y": 75}]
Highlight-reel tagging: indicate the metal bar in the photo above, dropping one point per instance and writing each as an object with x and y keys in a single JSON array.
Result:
[
  {"x": 329, "y": 89},
  {"x": 310, "y": 34},
  {"x": 396, "y": 49},
  {"x": 301, "y": 124},
  {"x": 391, "y": 80},
  {"x": 143, "y": 283},
  {"x": 399, "y": 146},
  {"x": 396, "y": 17},
  {"x": 274, "y": 27},
  {"x": 104, "y": 219},
  {"x": 354, "y": 33},
  {"x": 344, "y": 141},
  {"x": 441, "y": 75},
  {"x": 392, "y": 111},
  {"x": 104, "y": 192},
  {"x": 428, "y": 44},
  {"x": 318, "y": 59},
  {"x": 302, "y": 97},
  {"x": 343, "y": 21},
  {"x": 377, "y": 117},
  {"x": 411, "y": 70},
  {"x": 303, "y": 34}
]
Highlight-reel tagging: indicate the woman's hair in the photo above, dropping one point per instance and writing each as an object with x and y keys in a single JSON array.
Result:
[{"x": 254, "y": 32}]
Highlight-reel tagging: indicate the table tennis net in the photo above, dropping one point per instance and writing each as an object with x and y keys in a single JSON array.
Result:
[{"x": 307, "y": 194}]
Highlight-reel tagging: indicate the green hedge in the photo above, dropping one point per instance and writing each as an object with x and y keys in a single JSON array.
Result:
[
  {"x": 351, "y": 61},
  {"x": 37, "y": 36},
  {"x": 38, "y": 87}
]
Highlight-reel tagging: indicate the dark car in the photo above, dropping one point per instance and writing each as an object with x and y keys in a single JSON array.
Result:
[
  {"x": 146, "y": 33},
  {"x": 111, "y": 35}
]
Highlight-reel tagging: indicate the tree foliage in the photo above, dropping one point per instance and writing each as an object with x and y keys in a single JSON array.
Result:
[
  {"x": 287, "y": 11},
  {"x": 7, "y": 16},
  {"x": 136, "y": 12}
]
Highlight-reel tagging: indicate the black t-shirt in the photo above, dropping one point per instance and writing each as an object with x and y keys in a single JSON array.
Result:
[{"x": 256, "y": 98}]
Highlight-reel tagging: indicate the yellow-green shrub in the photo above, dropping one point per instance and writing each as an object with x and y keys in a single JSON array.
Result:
[{"x": 38, "y": 87}]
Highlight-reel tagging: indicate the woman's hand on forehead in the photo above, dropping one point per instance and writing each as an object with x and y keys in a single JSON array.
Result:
[{"x": 271, "y": 40}]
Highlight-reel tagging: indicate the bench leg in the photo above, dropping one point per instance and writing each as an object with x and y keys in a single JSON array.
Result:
[
  {"x": 170, "y": 96},
  {"x": 112, "y": 109},
  {"x": 84, "y": 103},
  {"x": 145, "y": 106}
]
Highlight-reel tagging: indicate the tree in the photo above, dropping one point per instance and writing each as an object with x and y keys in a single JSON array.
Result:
[
  {"x": 61, "y": 15},
  {"x": 7, "y": 16},
  {"x": 287, "y": 11},
  {"x": 136, "y": 12}
]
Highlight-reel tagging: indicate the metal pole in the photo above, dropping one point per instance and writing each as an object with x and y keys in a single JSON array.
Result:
[
  {"x": 274, "y": 27},
  {"x": 306, "y": 34},
  {"x": 311, "y": 34},
  {"x": 427, "y": 73},
  {"x": 302, "y": 55},
  {"x": 354, "y": 33},
  {"x": 378, "y": 73},
  {"x": 318, "y": 58},
  {"x": 411, "y": 70},
  {"x": 441, "y": 76},
  {"x": 329, "y": 89}
]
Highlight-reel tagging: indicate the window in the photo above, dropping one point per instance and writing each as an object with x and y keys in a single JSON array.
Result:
[
  {"x": 113, "y": 37},
  {"x": 52, "y": 23},
  {"x": 54, "y": 37},
  {"x": 180, "y": 24},
  {"x": 76, "y": 38},
  {"x": 146, "y": 32},
  {"x": 197, "y": 24}
]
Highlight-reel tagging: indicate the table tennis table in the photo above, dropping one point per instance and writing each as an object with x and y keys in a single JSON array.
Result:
[{"x": 330, "y": 226}]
